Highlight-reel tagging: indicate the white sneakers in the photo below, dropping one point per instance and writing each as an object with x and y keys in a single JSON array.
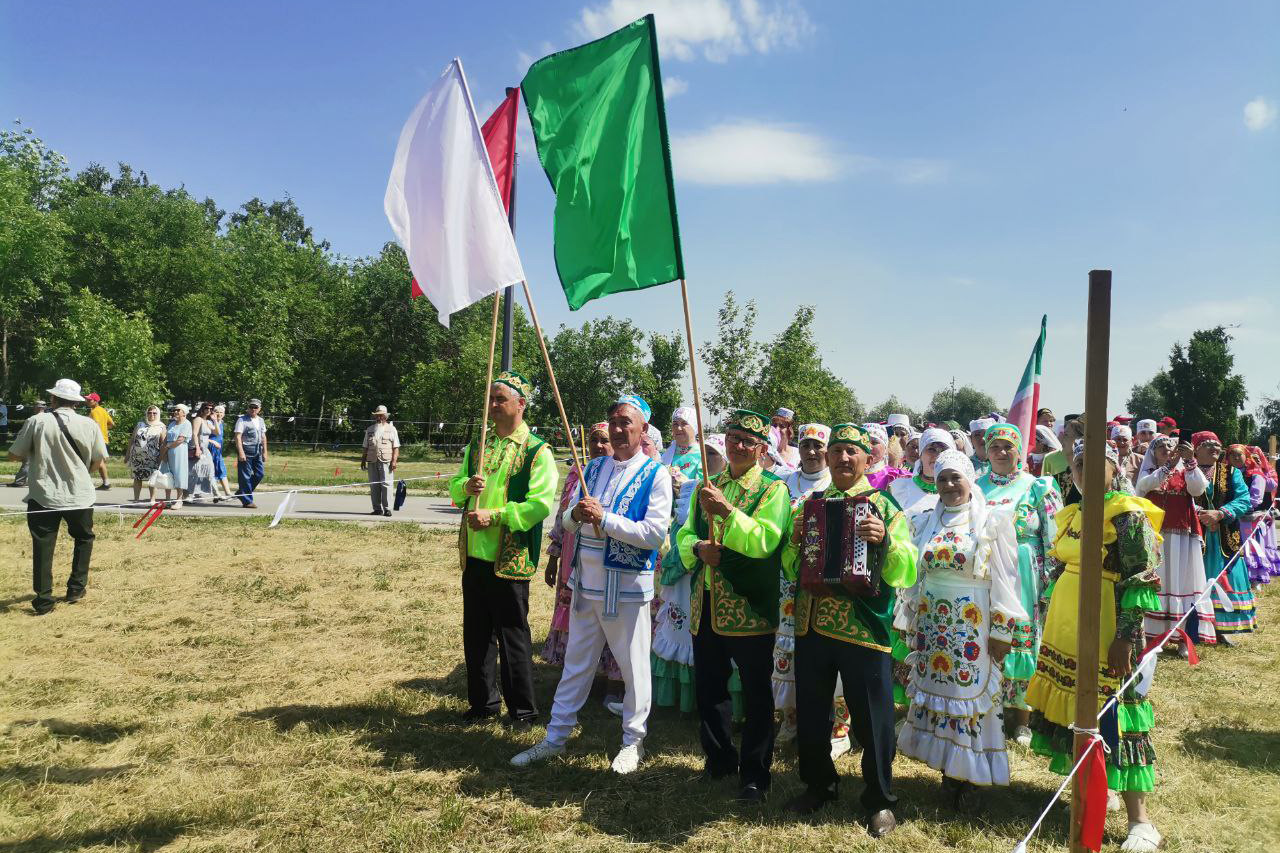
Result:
[
  {"x": 1143, "y": 838},
  {"x": 628, "y": 759},
  {"x": 539, "y": 752},
  {"x": 614, "y": 708},
  {"x": 839, "y": 746}
]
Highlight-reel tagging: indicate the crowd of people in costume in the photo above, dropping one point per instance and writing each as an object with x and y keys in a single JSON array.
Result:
[{"x": 686, "y": 588}]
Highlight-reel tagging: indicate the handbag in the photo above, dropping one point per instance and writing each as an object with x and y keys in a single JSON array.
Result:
[{"x": 402, "y": 492}]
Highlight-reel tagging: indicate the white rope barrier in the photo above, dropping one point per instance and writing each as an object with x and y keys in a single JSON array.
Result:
[{"x": 1269, "y": 517}]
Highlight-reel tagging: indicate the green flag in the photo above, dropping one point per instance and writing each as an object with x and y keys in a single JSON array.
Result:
[{"x": 601, "y": 131}]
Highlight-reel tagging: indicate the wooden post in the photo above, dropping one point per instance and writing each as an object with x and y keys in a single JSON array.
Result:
[
  {"x": 1271, "y": 445},
  {"x": 1097, "y": 358},
  {"x": 315, "y": 439},
  {"x": 693, "y": 375},
  {"x": 488, "y": 381}
]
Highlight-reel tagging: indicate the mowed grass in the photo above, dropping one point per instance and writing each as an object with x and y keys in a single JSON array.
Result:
[{"x": 229, "y": 687}]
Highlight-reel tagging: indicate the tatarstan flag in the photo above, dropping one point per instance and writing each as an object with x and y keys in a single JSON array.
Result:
[
  {"x": 1026, "y": 400},
  {"x": 601, "y": 132}
]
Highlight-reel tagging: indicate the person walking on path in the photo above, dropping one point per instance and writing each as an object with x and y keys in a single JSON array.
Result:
[
  {"x": 60, "y": 447},
  {"x": 251, "y": 452},
  {"x": 200, "y": 481},
  {"x": 216, "y": 419},
  {"x": 173, "y": 472},
  {"x": 105, "y": 422},
  {"x": 143, "y": 456},
  {"x": 381, "y": 456},
  {"x": 504, "y": 503}
]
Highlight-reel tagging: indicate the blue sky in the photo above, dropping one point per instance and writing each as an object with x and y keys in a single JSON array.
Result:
[{"x": 933, "y": 176}]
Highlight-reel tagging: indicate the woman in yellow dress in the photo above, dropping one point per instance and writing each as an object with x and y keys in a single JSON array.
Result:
[{"x": 1131, "y": 555}]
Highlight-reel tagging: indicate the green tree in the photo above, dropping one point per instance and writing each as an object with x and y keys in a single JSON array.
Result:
[
  {"x": 894, "y": 406},
  {"x": 594, "y": 366},
  {"x": 1200, "y": 387},
  {"x": 1146, "y": 400},
  {"x": 1268, "y": 420},
  {"x": 962, "y": 403},
  {"x": 793, "y": 375},
  {"x": 734, "y": 359},
  {"x": 107, "y": 351},
  {"x": 663, "y": 386}
]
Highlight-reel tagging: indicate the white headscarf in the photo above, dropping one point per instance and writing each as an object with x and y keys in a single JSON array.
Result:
[
  {"x": 1046, "y": 435},
  {"x": 962, "y": 442},
  {"x": 1149, "y": 463},
  {"x": 933, "y": 435}
]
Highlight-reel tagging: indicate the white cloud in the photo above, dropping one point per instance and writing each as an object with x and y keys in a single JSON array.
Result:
[
  {"x": 673, "y": 87},
  {"x": 1259, "y": 113},
  {"x": 1245, "y": 316},
  {"x": 747, "y": 152},
  {"x": 714, "y": 29},
  {"x": 754, "y": 152}
]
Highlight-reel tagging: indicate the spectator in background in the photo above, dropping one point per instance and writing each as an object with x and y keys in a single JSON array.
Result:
[
  {"x": 105, "y": 422},
  {"x": 251, "y": 451},
  {"x": 4, "y": 420},
  {"x": 1130, "y": 462},
  {"x": 173, "y": 470},
  {"x": 20, "y": 478},
  {"x": 784, "y": 420},
  {"x": 200, "y": 480},
  {"x": 381, "y": 455},
  {"x": 216, "y": 418},
  {"x": 1143, "y": 433},
  {"x": 1167, "y": 426},
  {"x": 1045, "y": 417},
  {"x": 60, "y": 449},
  {"x": 143, "y": 456}
]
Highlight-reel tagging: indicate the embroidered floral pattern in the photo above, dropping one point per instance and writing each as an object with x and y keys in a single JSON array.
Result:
[{"x": 948, "y": 629}]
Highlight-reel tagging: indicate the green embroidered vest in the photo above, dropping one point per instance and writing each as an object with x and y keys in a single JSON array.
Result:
[
  {"x": 517, "y": 558},
  {"x": 744, "y": 590}
]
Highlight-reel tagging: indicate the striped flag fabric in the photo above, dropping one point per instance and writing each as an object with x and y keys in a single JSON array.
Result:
[
  {"x": 444, "y": 203},
  {"x": 1026, "y": 400}
]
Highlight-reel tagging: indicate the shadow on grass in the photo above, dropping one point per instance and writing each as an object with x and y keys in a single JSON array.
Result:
[
  {"x": 665, "y": 802},
  {"x": 92, "y": 732},
  {"x": 32, "y": 774},
  {"x": 149, "y": 834},
  {"x": 1249, "y": 748}
]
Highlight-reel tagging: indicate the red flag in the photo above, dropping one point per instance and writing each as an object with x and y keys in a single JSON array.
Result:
[
  {"x": 499, "y": 132},
  {"x": 1093, "y": 817}
]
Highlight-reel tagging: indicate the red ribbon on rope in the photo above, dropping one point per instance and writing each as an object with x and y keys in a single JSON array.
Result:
[
  {"x": 152, "y": 513},
  {"x": 1192, "y": 657},
  {"x": 1093, "y": 817}
]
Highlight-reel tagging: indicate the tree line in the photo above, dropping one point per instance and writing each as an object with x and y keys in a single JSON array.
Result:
[{"x": 146, "y": 294}]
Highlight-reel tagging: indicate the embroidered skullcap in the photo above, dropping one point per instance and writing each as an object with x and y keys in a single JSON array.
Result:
[
  {"x": 1008, "y": 432},
  {"x": 686, "y": 414},
  {"x": 937, "y": 435},
  {"x": 715, "y": 442},
  {"x": 981, "y": 424},
  {"x": 1121, "y": 431},
  {"x": 850, "y": 434},
  {"x": 815, "y": 432},
  {"x": 636, "y": 402},
  {"x": 898, "y": 419},
  {"x": 752, "y": 423},
  {"x": 655, "y": 437},
  {"x": 1146, "y": 425},
  {"x": 954, "y": 460},
  {"x": 603, "y": 427},
  {"x": 877, "y": 433},
  {"x": 1201, "y": 437},
  {"x": 784, "y": 412},
  {"x": 1078, "y": 450},
  {"x": 515, "y": 382}
]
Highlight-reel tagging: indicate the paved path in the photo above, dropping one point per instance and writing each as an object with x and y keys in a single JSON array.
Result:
[{"x": 345, "y": 505}]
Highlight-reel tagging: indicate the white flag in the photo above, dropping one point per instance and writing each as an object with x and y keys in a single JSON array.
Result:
[{"x": 443, "y": 201}]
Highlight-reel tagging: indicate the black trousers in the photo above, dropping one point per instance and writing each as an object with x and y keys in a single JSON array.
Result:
[
  {"x": 495, "y": 628},
  {"x": 44, "y": 525},
  {"x": 867, "y": 676},
  {"x": 713, "y": 656}
]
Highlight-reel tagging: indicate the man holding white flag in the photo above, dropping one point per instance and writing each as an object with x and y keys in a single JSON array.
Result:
[{"x": 443, "y": 201}]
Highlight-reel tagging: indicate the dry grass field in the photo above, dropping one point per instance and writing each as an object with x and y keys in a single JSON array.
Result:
[{"x": 227, "y": 687}]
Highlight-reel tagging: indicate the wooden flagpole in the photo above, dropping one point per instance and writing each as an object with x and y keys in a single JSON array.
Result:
[
  {"x": 488, "y": 382},
  {"x": 1097, "y": 357},
  {"x": 693, "y": 375}
]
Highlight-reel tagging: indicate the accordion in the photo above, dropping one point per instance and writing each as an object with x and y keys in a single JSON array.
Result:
[{"x": 832, "y": 556}]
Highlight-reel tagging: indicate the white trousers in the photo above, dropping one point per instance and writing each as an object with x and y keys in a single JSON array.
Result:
[{"x": 629, "y": 635}]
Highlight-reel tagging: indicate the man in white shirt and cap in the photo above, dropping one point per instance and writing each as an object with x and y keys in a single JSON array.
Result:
[
  {"x": 380, "y": 458},
  {"x": 1143, "y": 433},
  {"x": 784, "y": 421},
  {"x": 60, "y": 447},
  {"x": 620, "y": 523}
]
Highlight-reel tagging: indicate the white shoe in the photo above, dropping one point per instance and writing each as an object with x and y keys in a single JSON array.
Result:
[
  {"x": 628, "y": 759},
  {"x": 176, "y": 505},
  {"x": 1022, "y": 737},
  {"x": 839, "y": 746},
  {"x": 537, "y": 753},
  {"x": 614, "y": 708},
  {"x": 1143, "y": 838}
]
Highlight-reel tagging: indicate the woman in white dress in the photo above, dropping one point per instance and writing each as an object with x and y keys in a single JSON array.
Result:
[{"x": 959, "y": 620}]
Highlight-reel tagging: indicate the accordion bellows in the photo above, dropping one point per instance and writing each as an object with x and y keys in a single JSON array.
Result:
[{"x": 832, "y": 556}]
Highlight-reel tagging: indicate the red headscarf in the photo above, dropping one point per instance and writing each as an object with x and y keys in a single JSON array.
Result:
[
  {"x": 1264, "y": 464},
  {"x": 1251, "y": 467},
  {"x": 1204, "y": 435}
]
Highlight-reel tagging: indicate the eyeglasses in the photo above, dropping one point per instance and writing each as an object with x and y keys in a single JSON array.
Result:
[{"x": 745, "y": 442}]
